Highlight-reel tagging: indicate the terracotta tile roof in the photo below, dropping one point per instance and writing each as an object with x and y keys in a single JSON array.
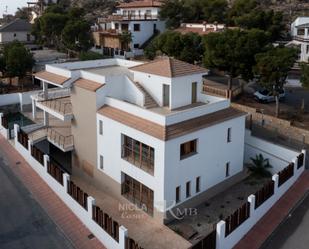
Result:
[
  {"x": 169, "y": 67},
  {"x": 141, "y": 4},
  {"x": 51, "y": 77},
  {"x": 143, "y": 125},
  {"x": 88, "y": 84},
  {"x": 172, "y": 131},
  {"x": 199, "y": 31}
]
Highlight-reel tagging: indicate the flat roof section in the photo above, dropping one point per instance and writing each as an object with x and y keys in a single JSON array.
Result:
[{"x": 110, "y": 71}]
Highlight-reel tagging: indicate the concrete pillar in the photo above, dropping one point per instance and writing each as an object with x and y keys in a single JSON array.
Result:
[
  {"x": 305, "y": 154},
  {"x": 46, "y": 119},
  {"x": 123, "y": 234},
  {"x": 275, "y": 178},
  {"x": 29, "y": 146},
  {"x": 46, "y": 161},
  {"x": 90, "y": 204},
  {"x": 251, "y": 199},
  {"x": 33, "y": 109},
  {"x": 220, "y": 235},
  {"x": 45, "y": 90},
  {"x": 66, "y": 177}
]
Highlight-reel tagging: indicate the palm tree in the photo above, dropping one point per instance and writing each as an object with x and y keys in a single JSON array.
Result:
[{"x": 260, "y": 166}]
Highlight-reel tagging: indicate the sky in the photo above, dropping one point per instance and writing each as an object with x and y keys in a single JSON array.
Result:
[{"x": 12, "y": 5}]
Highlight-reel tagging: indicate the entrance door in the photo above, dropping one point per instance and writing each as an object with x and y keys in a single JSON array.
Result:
[
  {"x": 194, "y": 92},
  {"x": 166, "y": 95}
]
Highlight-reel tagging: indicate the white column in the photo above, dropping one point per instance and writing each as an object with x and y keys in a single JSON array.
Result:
[
  {"x": 90, "y": 204},
  {"x": 66, "y": 177},
  {"x": 16, "y": 130},
  {"x": 29, "y": 146},
  {"x": 33, "y": 109},
  {"x": 46, "y": 161},
  {"x": 251, "y": 199},
  {"x": 123, "y": 233},
  {"x": 275, "y": 178},
  {"x": 220, "y": 235},
  {"x": 305, "y": 154}
]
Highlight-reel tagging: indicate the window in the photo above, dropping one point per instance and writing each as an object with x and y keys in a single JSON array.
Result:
[
  {"x": 300, "y": 31},
  {"x": 197, "y": 184},
  {"x": 178, "y": 194},
  {"x": 229, "y": 135},
  {"x": 137, "y": 27},
  {"x": 138, "y": 154},
  {"x": 14, "y": 35},
  {"x": 136, "y": 45},
  {"x": 227, "y": 169},
  {"x": 188, "y": 189},
  {"x": 188, "y": 149},
  {"x": 116, "y": 26},
  {"x": 307, "y": 49},
  {"x": 100, "y": 127},
  {"x": 101, "y": 162}
]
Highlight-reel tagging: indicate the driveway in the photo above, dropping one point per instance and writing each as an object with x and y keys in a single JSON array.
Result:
[
  {"x": 293, "y": 233},
  {"x": 23, "y": 223}
]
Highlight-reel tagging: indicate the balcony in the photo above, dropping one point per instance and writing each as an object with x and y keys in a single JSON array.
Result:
[
  {"x": 138, "y": 154},
  {"x": 52, "y": 94},
  {"x": 65, "y": 143},
  {"x": 301, "y": 38},
  {"x": 60, "y": 107},
  {"x": 126, "y": 17}
]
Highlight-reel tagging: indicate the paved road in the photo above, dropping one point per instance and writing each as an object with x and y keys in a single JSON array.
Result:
[
  {"x": 294, "y": 232},
  {"x": 23, "y": 223}
]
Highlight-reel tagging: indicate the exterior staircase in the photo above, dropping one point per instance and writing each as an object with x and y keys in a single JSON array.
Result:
[{"x": 149, "y": 101}]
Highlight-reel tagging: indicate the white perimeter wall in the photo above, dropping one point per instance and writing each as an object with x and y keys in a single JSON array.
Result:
[
  {"x": 16, "y": 98},
  {"x": 20, "y": 36},
  {"x": 279, "y": 157},
  {"x": 213, "y": 152}
]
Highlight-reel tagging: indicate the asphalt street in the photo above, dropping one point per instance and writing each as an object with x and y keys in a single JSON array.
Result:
[
  {"x": 294, "y": 232},
  {"x": 23, "y": 223}
]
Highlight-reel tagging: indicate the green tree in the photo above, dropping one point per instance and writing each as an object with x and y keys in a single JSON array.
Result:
[
  {"x": 233, "y": 51},
  {"x": 304, "y": 79},
  {"x": 272, "y": 69},
  {"x": 89, "y": 55},
  {"x": 22, "y": 13},
  {"x": 186, "y": 47},
  {"x": 214, "y": 10},
  {"x": 174, "y": 12},
  {"x": 16, "y": 60}
]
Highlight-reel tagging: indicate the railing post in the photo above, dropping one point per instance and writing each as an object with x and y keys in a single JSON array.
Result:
[
  {"x": 46, "y": 161},
  {"x": 29, "y": 147},
  {"x": 304, "y": 160},
  {"x": 251, "y": 200},
  {"x": 220, "y": 235},
  {"x": 90, "y": 204},
  {"x": 123, "y": 234},
  {"x": 66, "y": 178},
  {"x": 275, "y": 178}
]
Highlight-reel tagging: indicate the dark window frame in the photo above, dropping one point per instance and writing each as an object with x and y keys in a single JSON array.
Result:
[{"x": 188, "y": 149}]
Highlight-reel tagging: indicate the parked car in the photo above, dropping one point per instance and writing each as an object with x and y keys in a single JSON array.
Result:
[{"x": 266, "y": 96}]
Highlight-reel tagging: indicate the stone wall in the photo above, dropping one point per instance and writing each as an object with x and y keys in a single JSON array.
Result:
[{"x": 283, "y": 127}]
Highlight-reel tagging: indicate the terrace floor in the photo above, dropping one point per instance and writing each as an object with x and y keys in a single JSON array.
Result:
[
  {"x": 215, "y": 209},
  {"x": 61, "y": 105},
  {"x": 141, "y": 227}
]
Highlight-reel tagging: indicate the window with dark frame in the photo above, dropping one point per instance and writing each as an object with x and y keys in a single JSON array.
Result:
[
  {"x": 229, "y": 135},
  {"x": 137, "y": 27},
  {"x": 178, "y": 194},
  {"x": 188, "y": 189},
  {"x": 100, "y": 127},
  {"x": 136, "y": 45},
  {"x": 101, "y": 162},
  {"x": 188, "y": 149},
  {"x": 227, "y": 169},
  {"x": 197, "y": 184}
]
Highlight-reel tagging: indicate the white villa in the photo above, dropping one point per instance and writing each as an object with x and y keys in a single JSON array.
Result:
[
  {"x": 300, "y": 34},
  {"x": 138, "y": 18},
  {"x": 125, "y": 119},
  {"x": 19, "y": 30}
]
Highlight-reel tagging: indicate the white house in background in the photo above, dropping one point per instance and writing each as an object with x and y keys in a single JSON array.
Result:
[
  {"x": 140, "y": 18},
  {"x": 144, "y": 126},
  {"x": 201, "y": 28},
  {"x": 300, "y": 34},
  {"x": 18, "y": 29}
]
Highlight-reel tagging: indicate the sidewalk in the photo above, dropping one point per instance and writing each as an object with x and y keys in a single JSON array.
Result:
[
  {"x": 63, "y": 217},
  {"x": 272, "y": 219}
]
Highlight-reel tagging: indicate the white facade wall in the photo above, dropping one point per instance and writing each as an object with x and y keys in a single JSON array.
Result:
[
  {"x": 109, "y": 146},
  {"x": 21, "y": 36},
  {"x": 304, "y": 44},
  {"x": 141, "y": 11},
  {"x": 213, "y": 152}
]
